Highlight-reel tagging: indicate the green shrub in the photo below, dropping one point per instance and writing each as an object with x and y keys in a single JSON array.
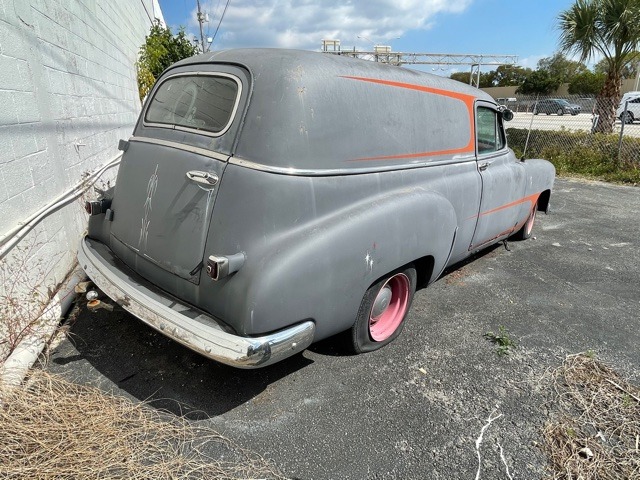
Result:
[{"x": 582, "y": 154}]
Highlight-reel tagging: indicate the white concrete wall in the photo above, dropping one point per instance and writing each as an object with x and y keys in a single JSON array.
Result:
[{"x": 67, "y": 94}]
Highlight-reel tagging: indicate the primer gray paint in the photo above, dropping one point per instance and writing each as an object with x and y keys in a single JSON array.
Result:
[{"x": 338, "y": 172}]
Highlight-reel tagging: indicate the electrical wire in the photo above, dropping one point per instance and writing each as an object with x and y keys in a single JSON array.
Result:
[{"x": 221, "y": 18}]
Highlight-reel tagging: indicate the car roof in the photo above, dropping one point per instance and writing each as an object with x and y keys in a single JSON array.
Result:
[{"x": 276, "y": 62}]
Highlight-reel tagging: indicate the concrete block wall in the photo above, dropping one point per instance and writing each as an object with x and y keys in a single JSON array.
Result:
[{"x": 68, "y": 93}]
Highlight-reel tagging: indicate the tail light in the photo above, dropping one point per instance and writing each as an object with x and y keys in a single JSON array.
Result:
[{"x": 222, "y": 266}]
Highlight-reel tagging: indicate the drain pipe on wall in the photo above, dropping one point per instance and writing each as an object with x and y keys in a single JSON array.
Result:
[{"x": 15, "y": 367}]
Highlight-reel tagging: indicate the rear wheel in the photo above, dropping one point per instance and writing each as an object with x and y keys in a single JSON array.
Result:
[{"x": 383, "y": 311}]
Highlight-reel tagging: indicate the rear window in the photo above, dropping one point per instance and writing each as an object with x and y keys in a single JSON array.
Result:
[{"x": 206, "y": 103}]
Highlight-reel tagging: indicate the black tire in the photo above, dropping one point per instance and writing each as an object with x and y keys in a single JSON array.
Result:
[
  {"x": 401, "y": 286},
  {"x": 527, "y": 229},
  {"x": 560, "y": 112},
  {"x": 628, "y": 118}
]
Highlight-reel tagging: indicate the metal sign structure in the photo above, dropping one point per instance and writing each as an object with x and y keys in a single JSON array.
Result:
[{"x": 383, "y": 53}]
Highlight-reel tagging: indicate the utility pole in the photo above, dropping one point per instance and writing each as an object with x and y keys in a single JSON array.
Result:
[{"x": 201, "y": 19}]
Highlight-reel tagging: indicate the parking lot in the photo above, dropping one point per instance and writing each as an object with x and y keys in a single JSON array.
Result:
[
  {"x": 414, "y": 409},
  {"x": 580, "y": 122}
]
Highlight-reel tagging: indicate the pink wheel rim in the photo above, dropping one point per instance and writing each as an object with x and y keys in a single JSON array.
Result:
[{"x": 389, "y": 307}]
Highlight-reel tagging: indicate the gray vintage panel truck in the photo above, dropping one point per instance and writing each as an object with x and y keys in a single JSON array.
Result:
[{"x": 269, "y": 199}]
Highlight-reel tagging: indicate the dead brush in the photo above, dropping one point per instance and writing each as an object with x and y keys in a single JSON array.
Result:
[
  {"x": 597, "y": 434},
  {"x": 52, "y": 428},
  {"x": 24, "y": 298}
]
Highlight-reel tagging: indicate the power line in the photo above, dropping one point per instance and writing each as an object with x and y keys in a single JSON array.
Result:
[{"x": 222, "y": 17}]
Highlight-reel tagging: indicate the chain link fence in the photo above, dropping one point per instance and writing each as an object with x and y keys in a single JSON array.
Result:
[{"x": 566, "y": 129}]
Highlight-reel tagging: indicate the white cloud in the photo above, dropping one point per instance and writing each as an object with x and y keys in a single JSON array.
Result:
[
  {"x": 532, "y": 61},
  {"x": 304, "y": 23}
]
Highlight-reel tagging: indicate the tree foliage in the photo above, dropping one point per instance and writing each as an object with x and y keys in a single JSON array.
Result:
[
  {"x": 486, "y": 78},
  {"x": 539, "y": 81},
  {"x": 561, "y": 68},
  {"x": 603, "y": 27},
  {"x": 586, "y": 83},
  {"x": 630, "y": 70},
  {"x": 510, "y": 75},
  {"x": 460, "y": 76},
  {"x": 503, "y": 76},
  {"x": 160, "y": 50}
]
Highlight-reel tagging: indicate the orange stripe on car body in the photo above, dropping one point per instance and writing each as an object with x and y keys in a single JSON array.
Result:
[
  {"x": 468, "y": 100},
  {"x": 532, "y": 199}
]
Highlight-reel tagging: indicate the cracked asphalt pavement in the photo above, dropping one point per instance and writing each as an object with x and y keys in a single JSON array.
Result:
[{"x": 416, "y": 408}]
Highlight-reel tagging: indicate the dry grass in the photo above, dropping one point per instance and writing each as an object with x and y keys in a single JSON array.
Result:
[
  {"x": 53, "y": 428},
  {"x": 597, "y": 435}
]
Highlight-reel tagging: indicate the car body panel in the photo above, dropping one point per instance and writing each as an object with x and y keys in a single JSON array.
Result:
[
  {"x": 632, "y": 102},
  {"x": 163, "y": 215}
]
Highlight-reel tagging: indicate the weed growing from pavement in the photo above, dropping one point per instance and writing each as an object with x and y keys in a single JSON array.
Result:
[{"x": 502, "y": 340}]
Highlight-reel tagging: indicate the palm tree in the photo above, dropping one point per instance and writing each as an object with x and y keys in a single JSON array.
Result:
[{"x": 607, "y": 28}]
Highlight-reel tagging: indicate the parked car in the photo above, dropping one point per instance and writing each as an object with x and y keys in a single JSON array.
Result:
[
  {"x": 632, "y": 100},
  {"x": 558, "y": 106},
  {"x": 269, "y": 199}
]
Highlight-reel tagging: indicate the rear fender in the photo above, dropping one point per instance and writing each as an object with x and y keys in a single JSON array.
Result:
[{"x": 323, "y": 270}]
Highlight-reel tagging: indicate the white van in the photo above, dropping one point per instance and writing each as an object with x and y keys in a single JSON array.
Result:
[{"x": 633, "y": 107}]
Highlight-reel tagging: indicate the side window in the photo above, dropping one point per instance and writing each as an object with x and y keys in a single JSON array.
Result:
[{"x": 489, "y": 131}]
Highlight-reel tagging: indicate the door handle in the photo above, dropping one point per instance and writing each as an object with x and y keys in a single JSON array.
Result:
[
  {"x": 483, "y": 166},
  {"x": 203, "y": 178}
]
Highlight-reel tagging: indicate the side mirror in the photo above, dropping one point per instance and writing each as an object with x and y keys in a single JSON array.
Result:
[{"x": 507, "y": 115}]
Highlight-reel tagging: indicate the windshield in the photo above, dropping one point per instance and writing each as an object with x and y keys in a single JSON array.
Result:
[
  {"x": 202, "y": 102},
  {"x": 563, "y": 102}
]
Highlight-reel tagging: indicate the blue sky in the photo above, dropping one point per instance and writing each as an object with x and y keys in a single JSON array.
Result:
[{"x": 526, "y": 28}]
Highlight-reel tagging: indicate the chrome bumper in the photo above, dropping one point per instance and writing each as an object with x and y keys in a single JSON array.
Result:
[{"x": 185, "y": 324}]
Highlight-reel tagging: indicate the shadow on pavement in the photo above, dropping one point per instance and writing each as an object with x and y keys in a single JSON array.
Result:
[{"x": 152, "y": 368}]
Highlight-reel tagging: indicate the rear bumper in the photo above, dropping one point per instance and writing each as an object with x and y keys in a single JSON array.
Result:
[{"x": 183, "y": 323}]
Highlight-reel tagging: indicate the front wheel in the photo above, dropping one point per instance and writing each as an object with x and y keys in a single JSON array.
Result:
[
  {"x": 383, "y": 311},
  {"x": 526, "y": 230}
]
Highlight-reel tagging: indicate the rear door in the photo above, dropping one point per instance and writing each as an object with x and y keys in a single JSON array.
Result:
[{"x": 166, "y": 186}]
